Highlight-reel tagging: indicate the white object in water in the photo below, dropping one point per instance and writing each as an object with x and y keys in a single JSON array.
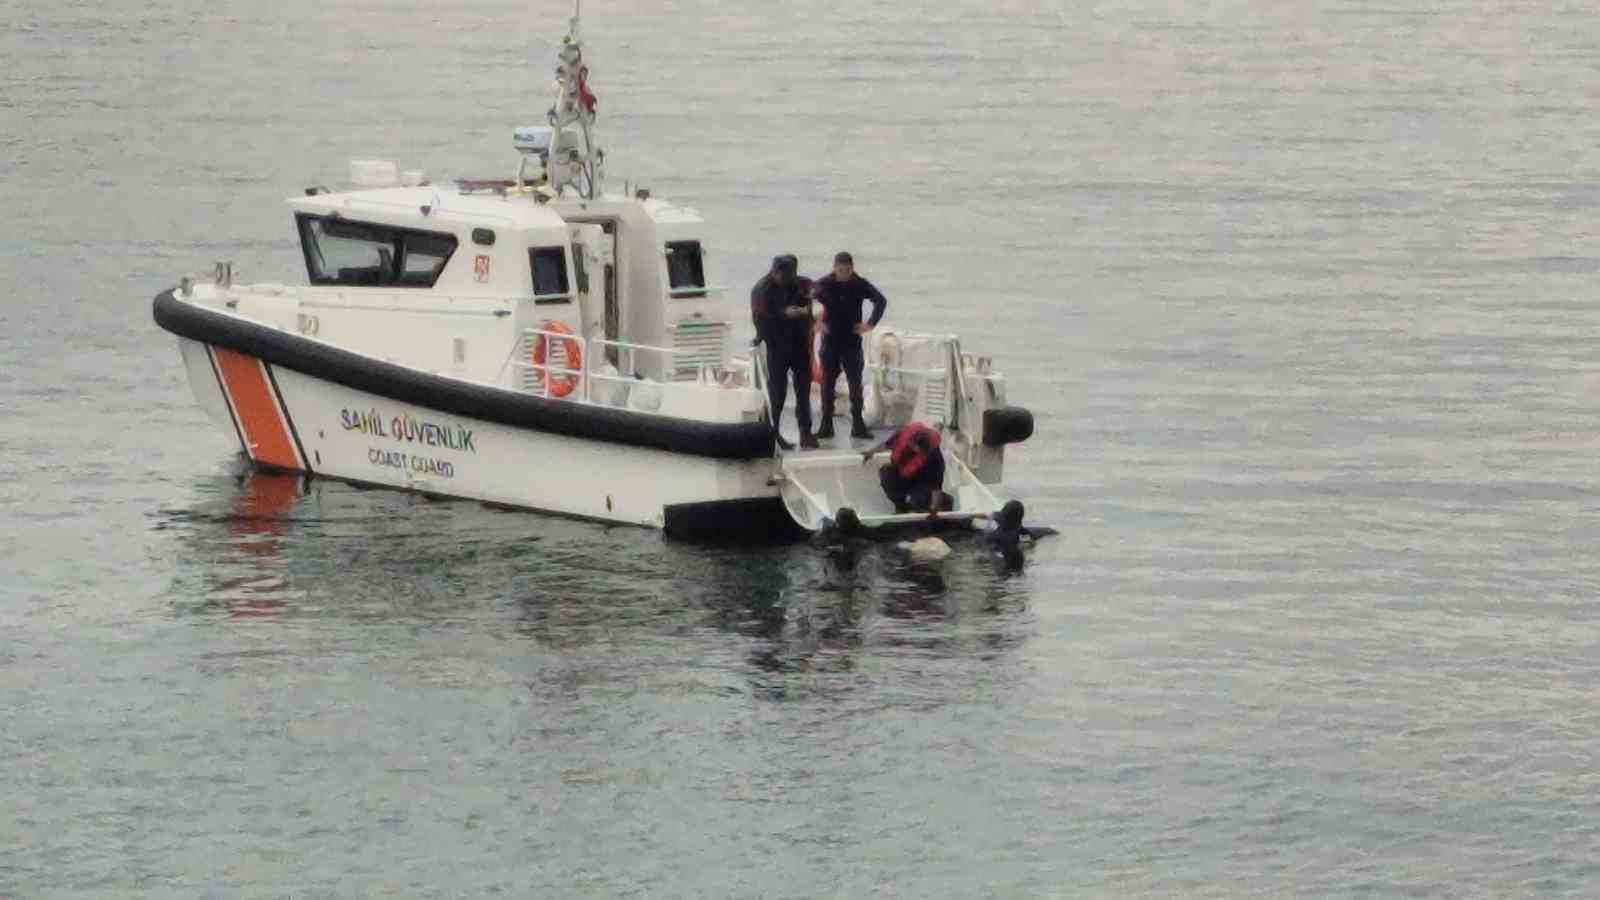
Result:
[{"x": 928, "y": 549}]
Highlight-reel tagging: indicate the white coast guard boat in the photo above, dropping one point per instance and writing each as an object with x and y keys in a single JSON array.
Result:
[{"x": 539, "y": 342}]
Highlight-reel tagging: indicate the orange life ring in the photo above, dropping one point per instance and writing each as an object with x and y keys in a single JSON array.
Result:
[{"x": 561, "y": 383}]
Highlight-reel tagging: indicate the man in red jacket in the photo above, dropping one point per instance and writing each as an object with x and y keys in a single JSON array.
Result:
[{"x": 913, "y": 479}]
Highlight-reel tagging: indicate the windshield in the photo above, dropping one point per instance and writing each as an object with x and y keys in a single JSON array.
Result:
[{"x": 363, "y": 254}]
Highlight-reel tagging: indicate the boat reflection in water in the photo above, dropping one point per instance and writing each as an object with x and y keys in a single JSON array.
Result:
[
  {"x": 599, "y": 607},
  {"x": 238, "y": 539}
]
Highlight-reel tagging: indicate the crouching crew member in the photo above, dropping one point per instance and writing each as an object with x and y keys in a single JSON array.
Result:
[
  {"x": 913, "y": 479},
  {"x": 780, "y": 304},
  {"x": 841, "y": 293}
]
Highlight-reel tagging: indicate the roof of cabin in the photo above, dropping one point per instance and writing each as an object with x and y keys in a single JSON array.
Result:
[
  {"x": 445, "y": 204},
  {"x": 448, "y": 204}
]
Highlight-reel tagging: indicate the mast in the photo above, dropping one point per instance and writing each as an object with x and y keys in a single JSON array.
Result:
[{"x": 575, "y": 160}]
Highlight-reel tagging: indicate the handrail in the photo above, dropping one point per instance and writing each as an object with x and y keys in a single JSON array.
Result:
[
  {"x": 669, "y": 352},
  {"x": 605, "y": 342},
  {"x": 958, "y": 385},
  {"x": 590, "y": 351},
  {"x": 759, "y": 376}
]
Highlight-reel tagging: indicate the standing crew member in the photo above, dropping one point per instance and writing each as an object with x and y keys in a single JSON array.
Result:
[
  {"x": 840, "y": 294},
  {"x": 914, "y": 475},
  {"x": 780, "y": 305}
]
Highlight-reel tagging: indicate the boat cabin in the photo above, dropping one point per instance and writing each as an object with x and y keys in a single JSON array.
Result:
[{"x": 482, "y": 262}]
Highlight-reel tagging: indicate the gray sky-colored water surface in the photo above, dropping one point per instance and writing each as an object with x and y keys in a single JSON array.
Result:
[{"x": 1301, "y": 294}]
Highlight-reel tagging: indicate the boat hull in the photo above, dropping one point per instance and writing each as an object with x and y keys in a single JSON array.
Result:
[
  {"x": 293, "y": 405},
  {"x": 286, "y": 421}
]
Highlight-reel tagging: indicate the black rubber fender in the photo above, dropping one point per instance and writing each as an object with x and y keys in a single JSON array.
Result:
[{"x": 1006, "y": 425}]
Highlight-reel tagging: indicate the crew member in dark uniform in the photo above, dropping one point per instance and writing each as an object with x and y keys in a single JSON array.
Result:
[
  {"x": 841, "y": 294},
  {"x": 780, "y": 305},
  {"x": 913, "y": 479}
]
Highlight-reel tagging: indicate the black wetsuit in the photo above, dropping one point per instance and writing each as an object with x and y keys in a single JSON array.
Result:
[
  {"x": 841, "y": 348},
  {"x": 915, "y": 494},
  {"x": 1008, "y": 535},
  {"x": 788, "y": 344}
]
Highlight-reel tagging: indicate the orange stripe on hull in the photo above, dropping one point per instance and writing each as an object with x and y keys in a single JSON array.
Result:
[{"x": 266, "y": 433}]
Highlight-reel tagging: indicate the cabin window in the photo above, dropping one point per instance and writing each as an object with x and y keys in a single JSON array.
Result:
[
  {"x": 686, "y": 271},
  {"x": 362, "y": 254},
  {"x": 423, "y": 256},
  {"x": 549, "y": 266}
]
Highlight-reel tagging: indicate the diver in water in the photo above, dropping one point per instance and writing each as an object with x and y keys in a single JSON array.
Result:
[
  {"x": 843, "y": 537},
  {"x": 1006, "y": 535}
]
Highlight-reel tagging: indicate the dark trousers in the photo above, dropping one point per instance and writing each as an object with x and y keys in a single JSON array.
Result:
[
  {"x": 842, "y": 354},
  {"x": 788, "y": 362},
  {"x": 910, "y": 494}
]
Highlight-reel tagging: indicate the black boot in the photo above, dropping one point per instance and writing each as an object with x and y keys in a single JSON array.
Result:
[
  {"x": 808, "y": 441},
  {"x": 783, "y": 442},
  {"x": 859, "y": 429},
  {"x": 826, "y": 431}
]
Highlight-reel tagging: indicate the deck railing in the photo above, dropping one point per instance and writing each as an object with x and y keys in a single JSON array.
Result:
[{"x": 589, "y": 376}]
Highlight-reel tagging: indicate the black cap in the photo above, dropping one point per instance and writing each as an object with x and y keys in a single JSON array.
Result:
[
  {"x": 786, "y": 262},
  {"x": 843, "y": 258}
]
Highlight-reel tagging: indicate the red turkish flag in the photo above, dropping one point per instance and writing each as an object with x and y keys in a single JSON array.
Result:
[{"x": 585, "y": 96}]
